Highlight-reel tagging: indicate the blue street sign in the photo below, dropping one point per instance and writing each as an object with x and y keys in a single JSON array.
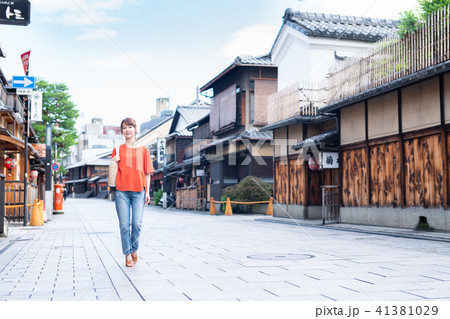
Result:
[
  {"x": 23, "y": 82},
  {"x": 55, "y": 167}
]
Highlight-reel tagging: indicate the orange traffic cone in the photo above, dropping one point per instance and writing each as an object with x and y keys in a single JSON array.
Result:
[
  {"x": 35, "y": 219},
  {"x": 270, "y": 207},
  {"x": 228, "y": 210},
  {"x": 42, "y": 213},
  {"x": 212, "y": 207}
]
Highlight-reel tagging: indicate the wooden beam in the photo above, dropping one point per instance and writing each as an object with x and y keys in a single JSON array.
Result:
[
  {"x": 305, "y": 170},
  {"x": 341, "y": 160},
  {"x": 444, "y": 146},
  {"x": 402, "y": 157},
  {"x": 368, "y": 169},
  {"x": 288, "y": 199}
]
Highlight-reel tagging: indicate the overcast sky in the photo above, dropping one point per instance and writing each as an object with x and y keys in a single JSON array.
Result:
[{"x": 118, "y": 56}]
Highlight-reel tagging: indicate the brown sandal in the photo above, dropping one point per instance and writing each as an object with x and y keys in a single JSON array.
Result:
[
  {"x": 135, "y": 258},
  {"x": 129, "y": 262}
]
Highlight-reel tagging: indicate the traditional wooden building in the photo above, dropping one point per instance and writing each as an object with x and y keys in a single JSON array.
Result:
[
  {"x": 393, "y": 108},
  {"x": 151, "y": 132},
  {"x": 176, "y": 173},
  {"x": 239, "y": 108},
  {"x": 12, "y": 149},
  {"x": 89, "y": 178},
  {"x": 302, "y": 135},
  {"x": 195, "y": 192}
]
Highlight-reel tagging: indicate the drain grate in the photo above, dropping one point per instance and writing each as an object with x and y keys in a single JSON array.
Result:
[{"x": 281, "y": 256}]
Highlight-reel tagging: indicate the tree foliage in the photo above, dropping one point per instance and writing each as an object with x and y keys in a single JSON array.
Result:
[
  {"x": 58, "y": 110},
  {"x": 410, "y": 21}
]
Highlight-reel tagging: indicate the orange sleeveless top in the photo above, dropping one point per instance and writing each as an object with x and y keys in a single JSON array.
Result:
[{"x": 134, "y": 164}]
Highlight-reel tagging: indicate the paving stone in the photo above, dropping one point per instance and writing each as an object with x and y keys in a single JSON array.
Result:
[{"x": 77, "y": 256}]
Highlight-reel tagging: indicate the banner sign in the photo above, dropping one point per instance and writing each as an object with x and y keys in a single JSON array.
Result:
[
  {"x": 26, "y": 61},
  {"x": 15, "y": 12},
  {"x": 161, "y": 150},
  {"x": 36, "y": 106}
]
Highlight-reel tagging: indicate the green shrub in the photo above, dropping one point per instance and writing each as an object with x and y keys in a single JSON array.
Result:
[
  {"x": 250, "y": 189},
  {"x": 157, "y": 196}
]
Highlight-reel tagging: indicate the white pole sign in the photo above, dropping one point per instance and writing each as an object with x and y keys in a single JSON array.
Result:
[
  {"x": 36, "y": 106},
  {"x": 161, "y": 149}
]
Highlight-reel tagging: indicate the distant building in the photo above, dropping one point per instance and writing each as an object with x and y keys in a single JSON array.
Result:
[
  {"x": 238, "y": 109},
  {"x": 162, "y": 103},
  {"x": 88, "y": 163},
  {"x": 94, "y": 138}
]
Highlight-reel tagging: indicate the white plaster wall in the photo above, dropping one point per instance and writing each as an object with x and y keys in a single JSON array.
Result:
[
  {"x": 303, "y": 58},
  {"x": 292, "y": 57}
]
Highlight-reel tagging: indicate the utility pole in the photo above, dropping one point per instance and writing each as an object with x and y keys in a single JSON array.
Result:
[
  {"x": 25, "y": 160},
  {"x": 48, "y": 171}
]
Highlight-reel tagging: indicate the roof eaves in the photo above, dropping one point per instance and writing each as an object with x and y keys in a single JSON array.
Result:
[
  {"x": 236, "y": 63},
  {"x": 294, "y": 120},
  {"x": 385, "y": 88},
  {"x": 316, "y": 139},
  {"x": 208, "y": 85}
]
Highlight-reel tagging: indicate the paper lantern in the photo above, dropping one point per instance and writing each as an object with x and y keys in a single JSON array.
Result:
[
  {"x": 34, "y": 174},
  {"x": 10, "y": 163},
  {"x": 181, "y": 179},
  {"x": 312, "y": 163}
]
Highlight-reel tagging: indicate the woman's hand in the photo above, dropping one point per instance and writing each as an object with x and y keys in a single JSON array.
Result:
[
  {"x": 147, "y": 198},
  {"x": 115, "y": 158}
]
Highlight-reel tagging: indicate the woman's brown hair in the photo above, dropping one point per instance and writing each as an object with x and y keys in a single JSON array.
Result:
[{"x": 128, "y": 121}]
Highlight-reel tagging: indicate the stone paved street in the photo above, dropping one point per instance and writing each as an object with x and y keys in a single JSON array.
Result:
[{"x": 195, "y": 256}]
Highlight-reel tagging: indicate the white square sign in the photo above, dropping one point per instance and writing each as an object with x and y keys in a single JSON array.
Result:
[{"x": 330, "y": 160}]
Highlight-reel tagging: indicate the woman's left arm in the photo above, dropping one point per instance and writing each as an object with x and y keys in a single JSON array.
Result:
[{"x": 147, "y": 189}]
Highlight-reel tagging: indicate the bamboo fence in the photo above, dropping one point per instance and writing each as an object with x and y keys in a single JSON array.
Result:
[{"x": 393, "y": 58}]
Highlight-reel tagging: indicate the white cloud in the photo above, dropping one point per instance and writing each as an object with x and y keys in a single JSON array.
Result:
[
  {"x": 254, "y": 40},
  {"x": 80, "y": 12},
  {"x": 124, "y": 60},
  {"x": 97, "y": 34}
]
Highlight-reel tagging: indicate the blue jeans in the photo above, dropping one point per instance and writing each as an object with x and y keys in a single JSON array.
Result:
[{"x": 130, "y": 221}]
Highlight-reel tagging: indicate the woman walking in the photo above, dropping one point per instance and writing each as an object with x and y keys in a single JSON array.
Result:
[{"x": 132, "y": 189}]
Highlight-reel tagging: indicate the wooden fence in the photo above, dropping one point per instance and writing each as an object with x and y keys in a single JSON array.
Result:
[
  {"x": 191, "y": 197},
  {"x": 14, "y": 192},
  {"x": 330, "y": 203},
  {"x": 392, "y": 58},
  {"x": 301, "y": 98}
]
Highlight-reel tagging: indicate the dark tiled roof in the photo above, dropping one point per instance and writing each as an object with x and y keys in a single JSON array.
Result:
[
  {"x": 252, "y": 134},
  {"x": 249, "y": 59},
  {"x": 295, "y": 119},
  {"x": 338, "y": 26},
  {"x": 153, "y": 123},
  {"x": 187, "y": 115},
  {"x": 242, "y": 60},
  {"x": 193, "y": 113},
  {"x": 317, "y": 139}
]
